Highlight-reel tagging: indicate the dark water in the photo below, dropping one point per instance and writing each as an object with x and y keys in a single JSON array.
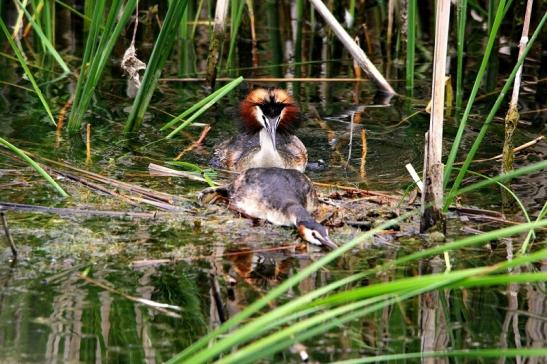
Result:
[{"x": 48, "y": 313}]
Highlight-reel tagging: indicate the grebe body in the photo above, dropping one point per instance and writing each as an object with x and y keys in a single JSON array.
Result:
[{"x": 282, "y": 197}]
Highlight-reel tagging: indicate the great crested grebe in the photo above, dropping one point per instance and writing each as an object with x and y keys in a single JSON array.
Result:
[
  {"x": 281, "y": 196},
  {"x": 268, "y": 116}
]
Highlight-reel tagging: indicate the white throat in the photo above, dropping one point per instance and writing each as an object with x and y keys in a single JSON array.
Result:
[{"x": 268, "y": 156}]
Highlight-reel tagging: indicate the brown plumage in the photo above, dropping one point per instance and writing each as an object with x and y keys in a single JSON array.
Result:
[{"x": 266, "y": 140}]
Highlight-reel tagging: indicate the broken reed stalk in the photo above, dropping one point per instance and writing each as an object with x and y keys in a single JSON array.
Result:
[
  {"x": 254, "y": 51},
  {"x": 9, "y": 238},
  {"x": 512, "y": 117},
  {"x": 432, "y": 199},
  {"x": 357, "y": 53},
  {"x": 217, "y": 39},
  {"x": 364, "y": 150}
]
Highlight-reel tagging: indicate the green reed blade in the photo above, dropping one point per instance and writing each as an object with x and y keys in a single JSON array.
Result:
[
  {"x": 99, "y": 45},
  {"x": 411, "y": 44},
  {"x": 217, "y": 95},
  {"x": 484, "y": 63},
  {"x": 299, "y": 301},
  {"x": 400, "y": 289},
  {"x": 490, "y": 117},
  {"x": 532, "y": 234},
  {"x": 73, "y": 10},
  {"x": 45, "y": 39},
  {"x": 236, "y": 8},
  {"x": 21, "y": 154},
  {"x": 161, "y": 51},
  {"x": 461, "y": 16},
  {"x": 29, "y": 75}
]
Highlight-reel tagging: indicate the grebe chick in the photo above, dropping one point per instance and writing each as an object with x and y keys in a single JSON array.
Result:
[
  {"x": 280, "y": 196},
  {"x": 265, "y": 139}
]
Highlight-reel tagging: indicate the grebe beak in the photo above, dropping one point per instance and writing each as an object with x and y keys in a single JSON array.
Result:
[
  {"x": 271, "y": 127},
  {"x": 329, "y": 244}
]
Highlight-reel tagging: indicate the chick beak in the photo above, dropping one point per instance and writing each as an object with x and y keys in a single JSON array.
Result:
[
  {"x": 329, "y": 244},
  {"x": 271, "y": 127}
]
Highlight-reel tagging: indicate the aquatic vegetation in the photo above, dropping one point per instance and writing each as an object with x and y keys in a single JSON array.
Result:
[
  {"x": 245, "y": 291},
  {"x": 21, "y": 154},
  {"x": 102, "y": 36},
  {"x": 161, "y": 51}
]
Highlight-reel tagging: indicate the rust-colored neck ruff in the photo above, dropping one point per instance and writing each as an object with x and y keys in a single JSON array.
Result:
[{"x": 273, "y": 102}]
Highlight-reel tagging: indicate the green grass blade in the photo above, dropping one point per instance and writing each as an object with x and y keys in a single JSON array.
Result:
[
  {"x": 480, "y": 75},
  {"x": 21, "y": 154},
  {"x": 98, "y": 54},
  {"x": 461, "y": 14},
  {"x": 411, "y": 44},
  {"x": 45, "y": 40},
  {"x": 206, "y": 174},
  {"x": 531, "y": 234},
  {"x": 72, "y": 10},
  {"x": 29, "y": 75},
  {"x": 305, "y": 329},
  {"x": 161, "y": 51},
  {"x": 515, "y": 197},
  {"x": 220, "y": 93},
  {"x": 235, "y": 21}
]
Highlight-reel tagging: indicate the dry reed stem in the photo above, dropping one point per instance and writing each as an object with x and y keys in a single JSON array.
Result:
[
  {"x": 65, "y": 211},
  {"x": 433, "y": 196},
  {"x": 512, "y": 117},
  {"x": 35, "y": 13},
  {"x": 221, "y": 12},
  {"x": 9, "y": 238},
  {"x": 357, "y": 53},
  {"x": 195, "y": 144},
  {"x": 362, "y": 172},
  {"x": 254, "y": 48},
  {"x": 61, "y": 121},
  {"x": 19, "y": 21},
  {"x": 268, "y": 79},
  {"x": 500, "y": 156},
  {"x": 88, "y": 144}
]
